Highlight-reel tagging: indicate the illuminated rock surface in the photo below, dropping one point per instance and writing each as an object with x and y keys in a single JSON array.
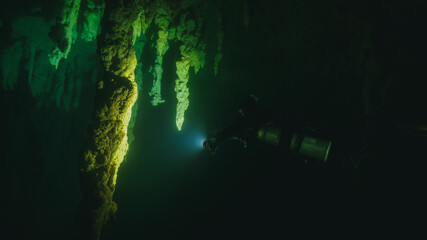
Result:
[
  {"x": 65, "y": 32},
  {"x": 62, "y": 84},
  {"x": 192, "y": 50},
  {"x": 161, "y": 21},
  {"x": 92, "y": 14},
  {"x": 115, "y": 97}
]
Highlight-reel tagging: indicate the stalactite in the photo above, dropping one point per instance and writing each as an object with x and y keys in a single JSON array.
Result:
[
  {"x": 93, "y": 12},
  {"x": 138, "y": 40},
  {"x": 145, "y": 22},
  {"x": 188, "y": 32},
  {"x": 181, "y": 89},
  {"x": 65, "y": 32},
  {"x": 162, "y": 20},
  {"x": 137, "y": 27},
  {"x": 116, "y": 94},
  {"x": 29, "y": 35},
  {"x": 30, "y": 48}
]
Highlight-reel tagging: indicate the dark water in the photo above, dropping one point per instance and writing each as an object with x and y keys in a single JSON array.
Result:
[{"x": 309, "y": 59}]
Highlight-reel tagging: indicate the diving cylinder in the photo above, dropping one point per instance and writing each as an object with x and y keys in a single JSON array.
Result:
[
  {"x": 310, "y": 147},
  {"x": 307, "y": 146},
  {"x": 270, "y": 134}
]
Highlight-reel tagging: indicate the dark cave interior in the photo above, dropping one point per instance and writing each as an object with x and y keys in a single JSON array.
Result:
[{"x": 351, "y": 69}]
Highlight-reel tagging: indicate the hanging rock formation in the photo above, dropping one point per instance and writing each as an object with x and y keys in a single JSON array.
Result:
[
  {"x": 115, "y": 96},
  {"x": 65, "y": 32},
  {"x": 29, "y": 48},
  {"x": 92, "y": 14},
  {"x": 162, "y": 20},
  {"x": 192, "y": 49}
]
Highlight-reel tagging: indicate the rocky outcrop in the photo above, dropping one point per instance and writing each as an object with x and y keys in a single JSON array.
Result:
[{"x": 115, "y": 96}]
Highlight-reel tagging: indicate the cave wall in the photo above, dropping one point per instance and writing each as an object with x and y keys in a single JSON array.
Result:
[{"x": 46, "y": 111}]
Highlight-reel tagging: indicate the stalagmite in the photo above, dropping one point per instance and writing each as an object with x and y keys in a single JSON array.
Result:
[{"x": 116, "y": 94}]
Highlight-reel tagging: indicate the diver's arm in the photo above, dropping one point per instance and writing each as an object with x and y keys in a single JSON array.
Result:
[{"x": 231, "y": 131}]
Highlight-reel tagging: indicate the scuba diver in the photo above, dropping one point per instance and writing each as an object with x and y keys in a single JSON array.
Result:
[
  {"x": 275, "y": 128},
  {"x": 360, "y": 171},
  {"x": 292, "y": 134}
]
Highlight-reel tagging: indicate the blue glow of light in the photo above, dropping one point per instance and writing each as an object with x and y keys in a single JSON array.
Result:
[
  {"x": 197, "y": 141},
  {"x": 191, "y": 140}
]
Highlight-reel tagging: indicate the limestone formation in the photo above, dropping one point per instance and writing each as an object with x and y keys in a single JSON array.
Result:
[
  {"x": 65, "y": 31},
  {"x": 192, "y": 49},
  {"x": 162, "y": 20},
  {"x": 115, "y": 96},
  {"x": 92, "y": 14}
]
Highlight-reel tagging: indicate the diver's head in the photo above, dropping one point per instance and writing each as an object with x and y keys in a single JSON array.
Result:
[
  {"x": 210, "y": 145},
  {"x": 205, "y": 144}
]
